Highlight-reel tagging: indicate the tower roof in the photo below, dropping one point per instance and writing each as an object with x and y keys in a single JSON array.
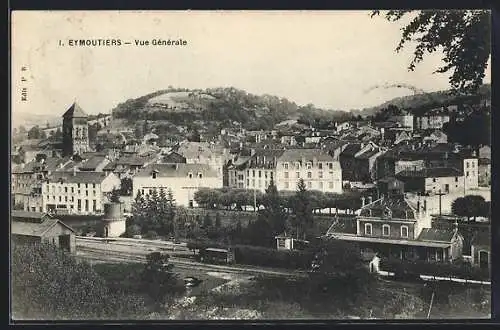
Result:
[{"x": 75, "y": 111}]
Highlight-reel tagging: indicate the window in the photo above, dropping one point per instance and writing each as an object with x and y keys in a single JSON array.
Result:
[
  {"x": 265, "y": 174},
  {"x": 320, "y": 166},
  {"x": 386, "y": 230},
  {"x": 330, "y": 185},
  {"x": 65, "y": 198},
  {"x": 467, "y": 174},
  {"x": 79, "y": 205},
  {"x": 320, "y": 184},
  {"x": 260, "y": 174},
  {"x": 320, "y": 174},
  {"x": 286, "y": 175},
  {"x": 87, "y": 205},
  {"x": 150, "y": 191},
  {"x": 72, "y": 190},
  {"x": 200, "y": 175},
  {"x": 285, "y": 166},
  {"x": 456, "y": 179},
  {"x": 79, "y": 192},
  {"x": 368, "y": 229},
  {"x": 271, "y": 174},
  {"x": 190, "y": 175},
  {"x": 65, "y": 189},
  {"x": 78, "y": 185},
  {"x": 473, "y": 164},
  {"x": 467, "y": 164},
  {"x": 287, "y": 185},
  {"x": 248, "y": 182},
  {"x": 309, "y": 184},
  {"x": 309, "y": 175},
  {"x": 248, "y": 172},
  {"x": 433, "y": 179},
  {"x": 86, "y": 185},
  {"x": 60, "y": 199},
  {"x": 154, "y": 175},
  {"x": 404, "y": 231},
  {"x": 297, "y": 175},
  {"x": 309, "y": 166},
  {"x": 93, "y": 185},
  {"x": 253, "y": 173},
  {"x": 94, "y": 205},
  {"x": 93, "y": 192},
  {"x": 330, "y": 166},
  {"x": 86, "y": 192}
]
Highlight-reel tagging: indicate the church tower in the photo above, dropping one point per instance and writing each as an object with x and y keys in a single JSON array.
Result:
[{"x": 75, "y": 131}]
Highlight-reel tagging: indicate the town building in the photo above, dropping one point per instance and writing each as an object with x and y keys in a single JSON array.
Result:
[
  {"x": 358, "y": 162},
  {"x": 433, "y": 180},
  {"x": 481, "y": 249},
  {"x": 317, "y": 168},
  {"x": 484, "y": 172},
  {"x": 27, "y": 181},
  {"x": 75, "y": 131},
  {"x": 395, "y": 227},
  {"x": 205, "y": 153},
  {"x": 77, "y": 192},
  {"x": 405, "y": 120},
  {"x": 431, "y": 121},
  {"x": 36, "y": 228},
  {"x": 184, "y": 180}
]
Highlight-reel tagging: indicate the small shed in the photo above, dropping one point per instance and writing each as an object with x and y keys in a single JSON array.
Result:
[
  {"x": 34, "y": 227},
  {"x": 481, "y": 249},
  {"x": 284, "y": 242}
]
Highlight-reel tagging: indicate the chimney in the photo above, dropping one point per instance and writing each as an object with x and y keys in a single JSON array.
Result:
[
  {"x": 418, "y": 206},
  {"x": 363, "y": 201},
  {"x": 74, "y": 170},
  {"x": 369, "y": 199}
]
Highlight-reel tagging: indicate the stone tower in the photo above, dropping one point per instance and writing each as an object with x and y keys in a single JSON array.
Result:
[{"x": 75, "y": 131}]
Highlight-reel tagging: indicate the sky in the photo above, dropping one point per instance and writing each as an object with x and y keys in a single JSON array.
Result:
[{"x": 327, "y": 58}]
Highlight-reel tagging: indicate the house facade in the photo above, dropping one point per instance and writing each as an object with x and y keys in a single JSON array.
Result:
[
  {"x": 395, "y": 228},
  {"x": 77, "y": 192},
  {"x": 318, "y": 169},
  {"x": 184, "y": 180}
]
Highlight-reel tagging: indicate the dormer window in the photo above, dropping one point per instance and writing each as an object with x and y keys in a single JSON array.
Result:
[
  {"x": 297, "y": 165},
  {"x": 154, "y": 174},
  {"x": 309, "y": 165},
  {"x": 285, "y": 166},
  {"x": 404, "y": 231},
  {"x": 386, "y": 230},
  {"x": 190, "y": 175},
  {"x": 200, "y": 175}
]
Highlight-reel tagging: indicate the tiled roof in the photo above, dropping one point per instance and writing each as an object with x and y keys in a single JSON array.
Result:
[
  {"x": 398, "y": 205},
  {"x": 369, "y": 153},
  {"x": 436, "y": 235},
  {"x": 484, "y": 161},
  {"x": 194, "y": 149},
  {"x": 92, "y": 163},
  {"x": 19, "y": 214},
  {"x": 177, "y": 170},
  {"x": 436, "y": 172},
  {"x": 51, "y": 164},
  {"x": 352, "y": 149},
  {"x": 77, "y": 177},
  {"x": 75, "y": 111},
  {"x": 291, "y": 155}
]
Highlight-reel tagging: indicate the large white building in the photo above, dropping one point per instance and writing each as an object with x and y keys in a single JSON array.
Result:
[
  {"x": 205, "y": 153},
  {"x": 77, "y": 192},
  {"x": 183, "y": 179},
  {"x": 319, "y": 170}
]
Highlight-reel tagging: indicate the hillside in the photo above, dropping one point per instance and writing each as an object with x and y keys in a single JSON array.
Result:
[
  {"x": 222, "y": 107},
  {"x": 420, "y": 103},
  {"x": 29, "y": 120}
]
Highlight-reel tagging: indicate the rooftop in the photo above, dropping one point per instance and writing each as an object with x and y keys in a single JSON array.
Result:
[
  {"x": 75, "y": 111},
  {"x": 436, "y": 172},
  {"x": 436, "y": 235},
  {"x": 77, "y": 177},
  {"x": 292, "y": 155},
  {"x": 177, "y": 170}
]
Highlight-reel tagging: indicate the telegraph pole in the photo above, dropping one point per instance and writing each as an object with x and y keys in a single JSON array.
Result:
[{"x": 440, "y": 194}]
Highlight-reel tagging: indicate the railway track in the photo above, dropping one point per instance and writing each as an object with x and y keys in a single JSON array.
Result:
[{"x": 96, "y": 254}]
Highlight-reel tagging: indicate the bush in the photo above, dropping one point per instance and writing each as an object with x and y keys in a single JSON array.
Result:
[
  {"x": 151, "y": 234},
  {"x": 133, "y": 230},
  {"x": 259, "y": 256}
]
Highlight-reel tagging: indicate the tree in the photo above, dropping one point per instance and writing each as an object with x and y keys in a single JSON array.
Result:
[
  {"x": 463, "y": 35},
  {"x": 126, "y": 186},
  {"x": 36, "y": 133},
  {"x": 115, "y": 196},
  {"x": 274, "y": 211},
  {"x": 469, "y": 206},
  {"x": 158, "y": 276},
  {"x": 207, "y": 221},
  {"x": 302, "y": 208},
  {"x": 48, "y": 283}
]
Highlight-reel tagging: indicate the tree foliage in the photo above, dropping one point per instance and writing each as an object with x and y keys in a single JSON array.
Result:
[
  {"x": 463, "y": 35},
  {"x": 36, "y": 133},
  {"x": 471, "y": 206},
  {"x": 154, "y": 212},
  {"x": 48, "y": 283}
]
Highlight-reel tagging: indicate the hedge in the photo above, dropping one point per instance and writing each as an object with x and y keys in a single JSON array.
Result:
[{"x": 259, "y": 256}]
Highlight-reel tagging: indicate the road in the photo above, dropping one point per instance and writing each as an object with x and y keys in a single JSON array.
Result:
[{"x": 129, "y": 251}]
